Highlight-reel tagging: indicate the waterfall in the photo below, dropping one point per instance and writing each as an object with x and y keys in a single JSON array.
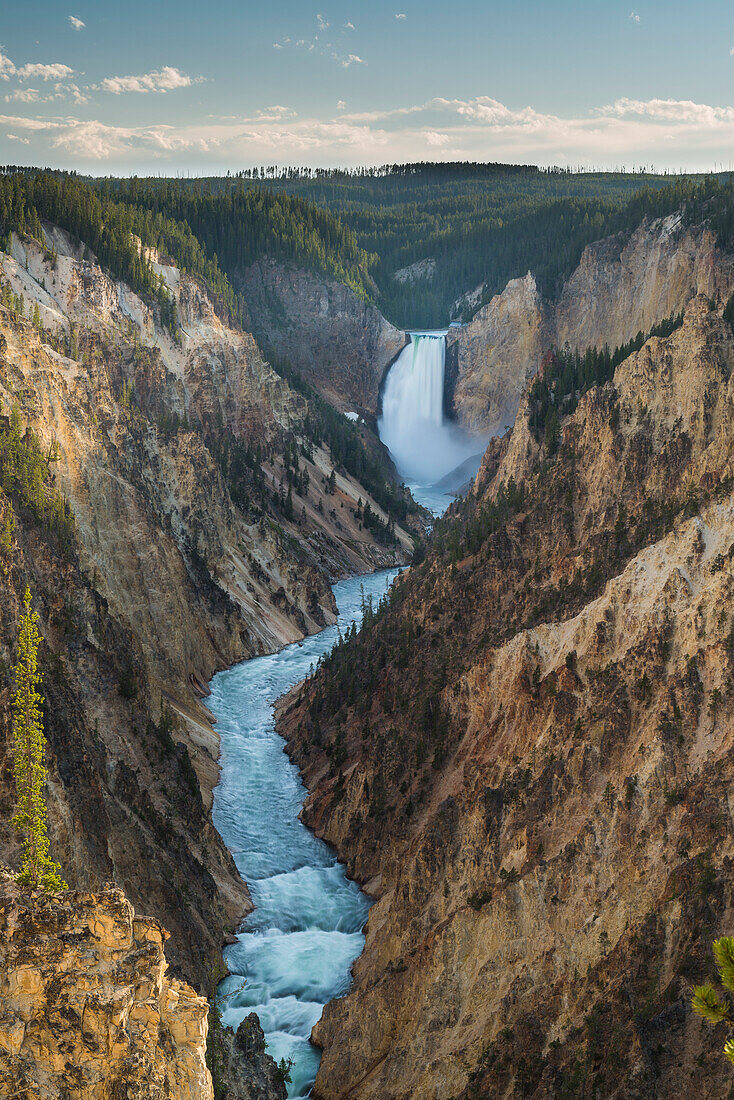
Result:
[{"x": 423, "y": 444}]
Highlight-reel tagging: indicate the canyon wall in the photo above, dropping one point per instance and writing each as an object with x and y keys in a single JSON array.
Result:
[
  {"x": 622, "y": 286},
  {"x": 167, "y": 568},
  {"x": 341, "y": 344},
  {"x": 489, "y": 361},
  {"x": 535, "y": 788}
]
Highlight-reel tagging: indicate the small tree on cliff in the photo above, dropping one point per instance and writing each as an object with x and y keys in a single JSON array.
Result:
[
  {"x": 707, "y": 1003},
  {"x": 29, "y": 768}
]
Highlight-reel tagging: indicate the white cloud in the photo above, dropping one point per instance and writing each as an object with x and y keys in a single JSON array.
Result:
[
  {"x": 634, "y": 17},
  {"x": 400, "y": 15},
  {"x": 436, "y": 139},
  {"x": 341, "y": 105},
  {"x": 322, "y": 22},
  {"x": 683, "y": 111},
  {"x": 349, "y": 26},
  {"x": 276, "y": 112},
  {"x": 77, "y": 24},
  {"x": 277, "y": 46},
  {"x": 351, "y": 59},
  {"x": 44, "y": 72},
  {"x": 15, "y": 137},
  {"x": 24, "y": 95},
  {"x": 663, "y": 132},
  {"x": 73, "y": 91},
  {"x": 60, "y": 92},
  {"x": 7, "y": 68},
  {"x": 166, "y": 79}
]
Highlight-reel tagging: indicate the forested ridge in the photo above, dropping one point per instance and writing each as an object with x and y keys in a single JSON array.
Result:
[
  {"x": 240, "y": 224},
  {"x": 482, "y": 224},
  {"x": 194, "y": 230},
  {"x": 111, "y": 230}
]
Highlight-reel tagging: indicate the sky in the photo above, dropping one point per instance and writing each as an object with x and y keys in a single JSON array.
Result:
[{"x": 161, "y": 87}]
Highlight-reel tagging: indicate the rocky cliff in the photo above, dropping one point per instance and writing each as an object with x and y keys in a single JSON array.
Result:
[
  {"x": 183, "y": 545},
  {"x": 88, "y": 1010},
  {"x": 489, "y": 360},
  {"x": 622, "y": 286},
  {"x": 341, "y": 344},
  {"x": 535, "y": 787}
]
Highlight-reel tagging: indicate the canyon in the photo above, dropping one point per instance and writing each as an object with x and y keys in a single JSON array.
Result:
[
  {"x": 534, "y": 787},
  {"x": 523, "y": 758},
  {"x": 166, "y": 570}
]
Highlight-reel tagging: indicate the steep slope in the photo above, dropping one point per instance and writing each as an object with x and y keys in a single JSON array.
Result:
[
  {"x": 621, "y": 286},
  {"x": 489, "y": 361},
  {"x": 534, "y": 785},
  {"x": 341, "y": 344},
  {"x": 200, "y": 528}
]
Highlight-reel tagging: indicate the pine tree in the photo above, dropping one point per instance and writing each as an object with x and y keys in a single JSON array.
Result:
[
  {"x": 707, "y": 1003},
  {"x": 8, "y": 531},
  {"x": 29, "y": 769}
]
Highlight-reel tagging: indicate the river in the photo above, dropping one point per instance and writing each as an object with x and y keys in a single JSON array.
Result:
[{"x": 295, "y": 951}]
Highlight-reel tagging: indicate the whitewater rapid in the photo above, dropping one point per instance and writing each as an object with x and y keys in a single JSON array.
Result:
[
  {"x": 424, "y": 444},
  {"x": 295, "y": 951}
]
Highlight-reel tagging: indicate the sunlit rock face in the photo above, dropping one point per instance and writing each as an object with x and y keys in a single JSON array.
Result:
[
  {"x": 620, "y": 287},
  {"x": 87, "y": 1007}
]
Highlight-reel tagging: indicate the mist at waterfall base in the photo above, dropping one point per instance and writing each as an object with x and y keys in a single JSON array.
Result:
[
  {"x": 423, "y": 444},
  {"x": 294, "y": 952}
]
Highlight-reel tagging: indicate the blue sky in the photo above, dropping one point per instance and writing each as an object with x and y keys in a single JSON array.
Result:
[{"x": 175, "y": 87}]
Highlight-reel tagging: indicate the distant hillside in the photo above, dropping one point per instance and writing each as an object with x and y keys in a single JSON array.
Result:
[{"x": 481, "y": 225}]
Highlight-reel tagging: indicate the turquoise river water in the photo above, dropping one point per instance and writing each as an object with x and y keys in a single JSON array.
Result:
[{"x": 294, "y": 952}]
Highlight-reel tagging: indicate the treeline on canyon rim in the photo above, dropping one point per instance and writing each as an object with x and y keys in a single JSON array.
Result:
[{"x": 480, "y": 225}]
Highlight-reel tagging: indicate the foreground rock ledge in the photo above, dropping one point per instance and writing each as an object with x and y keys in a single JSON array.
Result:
[{"x": 86, "y": 1008}]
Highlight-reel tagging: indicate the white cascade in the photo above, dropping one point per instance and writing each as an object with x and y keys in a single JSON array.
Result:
[{"x": 423, "y": 444}]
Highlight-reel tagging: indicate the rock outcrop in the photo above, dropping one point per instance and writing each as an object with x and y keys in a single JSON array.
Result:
[
  {"x": 536, "y": 788},
  {"x": 87, "y": 1010},
  {"x": 243, "y": 1070},
  {"x": 341, "y": 344},
  {"x": 622, "y": 286}
]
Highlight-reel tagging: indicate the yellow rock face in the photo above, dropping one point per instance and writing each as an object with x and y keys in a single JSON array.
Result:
[
  {"x": 614, "y": 293},
  {"x": 88, "y": 1011}
]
